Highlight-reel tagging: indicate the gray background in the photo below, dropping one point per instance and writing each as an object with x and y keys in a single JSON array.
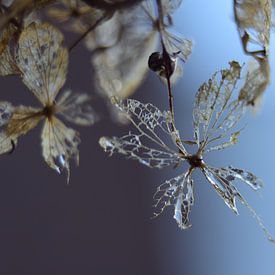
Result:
[{"x": 100, "y": 223}]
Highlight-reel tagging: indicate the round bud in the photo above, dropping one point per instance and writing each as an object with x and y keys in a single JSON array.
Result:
[
  {"x": 156, "y": 62},
  {"x": 162, "y": 64}
]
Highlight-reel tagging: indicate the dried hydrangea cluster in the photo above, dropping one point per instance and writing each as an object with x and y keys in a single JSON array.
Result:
[
  {"x": 215, "y": 116},
  {"x": 126, "y": 37},
  {"x": 42, "y": 62}
]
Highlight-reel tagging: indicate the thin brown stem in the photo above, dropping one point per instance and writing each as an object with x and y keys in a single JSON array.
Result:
[
  {"x": 82, "y": 36},
  {"x": 169, "y": 87},
  {"x": 167, "y": 63}
]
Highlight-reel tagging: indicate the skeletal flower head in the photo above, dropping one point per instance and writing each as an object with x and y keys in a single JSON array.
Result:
[
  {"x": 157, "y": 144},
  {"x": 122, "y": 44},
  {"x": 42, "y": 62}
]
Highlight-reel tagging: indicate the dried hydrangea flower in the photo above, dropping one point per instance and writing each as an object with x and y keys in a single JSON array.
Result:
[
  {"x": 253, "y": 19},
  {"x": 158, "y": 145},
  {"x": 121, "y": 47},
  {"x": 43, "y": 62}
]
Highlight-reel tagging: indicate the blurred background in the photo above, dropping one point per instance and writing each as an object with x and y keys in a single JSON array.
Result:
[{"x": 100, "y": 224}]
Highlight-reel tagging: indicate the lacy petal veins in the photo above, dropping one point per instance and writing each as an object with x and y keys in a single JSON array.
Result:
[
  {"x": 157, "y": 144},
  {"x": 43, "y": 62}
]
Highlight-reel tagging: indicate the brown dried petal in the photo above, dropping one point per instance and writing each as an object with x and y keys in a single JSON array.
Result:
[
  {"x": 256, "y": 82},
  {"x": 16, "y": 121},
  {"x": 253, "y": 18},
  {"x": 59, "y": 145},
  {"x": 42, "y": 61}
]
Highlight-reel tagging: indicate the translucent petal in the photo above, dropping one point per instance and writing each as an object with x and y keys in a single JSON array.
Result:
[
  {"x": 223, "y": 187},
  {"x": 59, "y": 145},
  {"x": 256, "y": 81},
  {"x": 221, "y": 179},
  {"x": 179, "y": 193},
  {"x": 230, "y": 173},
  {"x": 151, "y": 122},
  {"x": 176, "y": 45},
  {"x": 75, "y": 108},
  {"x": 131, "y": 146},
  {"x": 215, "y": 112},
  {"x": 253, "y": 18},
  {"x": 232, "y": 141},
  {"x": 169, "y": 6},
  {"x": 42, "y": 60},
  {"x": 150, "y": 145},
  {"x": 16, "y": 121},
  {"x": 117, "y": 115}
]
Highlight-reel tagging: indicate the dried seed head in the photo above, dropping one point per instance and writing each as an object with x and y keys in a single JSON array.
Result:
[{"x": 195, "y": 161}]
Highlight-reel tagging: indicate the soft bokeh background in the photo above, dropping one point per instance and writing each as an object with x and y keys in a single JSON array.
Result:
[{"x": 100, "y": 223}]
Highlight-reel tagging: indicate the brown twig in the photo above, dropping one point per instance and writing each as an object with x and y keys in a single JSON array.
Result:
[
  {"x": 167, "y": 62},
  {"x": 82, "y": 36},
  {"x": 168, "y": 70}
]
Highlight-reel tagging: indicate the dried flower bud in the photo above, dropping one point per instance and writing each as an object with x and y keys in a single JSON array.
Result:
[
  {"x": 155, "y": 62},
  {"x": 159, "y": 64}
]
